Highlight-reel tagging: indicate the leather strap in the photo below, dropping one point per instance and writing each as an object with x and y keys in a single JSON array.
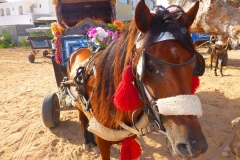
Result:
[{"x": 170, "y": 64}]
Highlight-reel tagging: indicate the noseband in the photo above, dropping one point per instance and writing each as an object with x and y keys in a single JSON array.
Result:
[{"x": 151, "y": 106}]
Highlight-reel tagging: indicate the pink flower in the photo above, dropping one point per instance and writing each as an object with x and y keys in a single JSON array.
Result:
[
  {"x": 92, "y": 32},
  {"x": 110, "y": 33},
  {"x": 115, "y": 36},
  {"x": 103, "y": 38}
]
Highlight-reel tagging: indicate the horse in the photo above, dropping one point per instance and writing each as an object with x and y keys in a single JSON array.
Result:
[
  {"x": 219, "y": 52},
  {"x": 158, "y": 48}
]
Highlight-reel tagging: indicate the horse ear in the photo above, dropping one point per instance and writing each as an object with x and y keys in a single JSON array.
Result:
[
  {"x": 142, "y": 17},
  {"x": 191, "y": 14}
]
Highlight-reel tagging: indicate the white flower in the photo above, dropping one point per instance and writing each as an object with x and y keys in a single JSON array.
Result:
[{"x": 101, "y": 32}]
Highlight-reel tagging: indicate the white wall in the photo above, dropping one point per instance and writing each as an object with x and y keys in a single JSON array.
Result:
[
  {"x": 15, "y": 16},
  {"x": 134, "y": 4},
  {"x": 51, "y": 8},
  {"x": 11, "y": 20},
  {"x": 43, "y": 7},
  {"x": 164, "y": 3},
  {"x": 29, "y": 7}
]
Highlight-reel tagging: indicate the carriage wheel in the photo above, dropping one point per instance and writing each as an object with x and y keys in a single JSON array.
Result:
[
  {"x": 34, "y": 52},
  {"x": 225, "y": 59},
  {"x": 45, "y": 53},
  {"x": 31, "y": 58},
  {"x": 50, "y": 115}
]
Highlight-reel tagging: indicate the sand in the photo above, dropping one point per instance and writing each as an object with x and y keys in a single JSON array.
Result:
[{"x": 24, "y": 136}]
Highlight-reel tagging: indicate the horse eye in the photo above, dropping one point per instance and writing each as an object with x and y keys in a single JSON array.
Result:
[{"x": 151, "y": 69}]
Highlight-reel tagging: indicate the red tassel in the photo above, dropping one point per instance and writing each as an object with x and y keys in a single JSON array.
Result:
[
  {"x": 195, "y": 84},
  {"x": 130, "y": 149},
  {"x": 126, "y": 96}
]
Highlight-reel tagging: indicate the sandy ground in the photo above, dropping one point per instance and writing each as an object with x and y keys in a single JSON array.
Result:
[{"x": 23, "y": 135}]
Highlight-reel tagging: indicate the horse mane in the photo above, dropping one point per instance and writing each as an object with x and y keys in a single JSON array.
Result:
[{"x": 110, "y": 62}]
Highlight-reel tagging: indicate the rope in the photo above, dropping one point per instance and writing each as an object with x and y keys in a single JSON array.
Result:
[
  {"x": 226, "y": 142},
  {"x": 202, "y": 44}
]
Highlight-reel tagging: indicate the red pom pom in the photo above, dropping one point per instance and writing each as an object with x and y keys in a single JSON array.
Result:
[
  {"x": 195, "y": 84},
  {"x": 130, "y": 149},
  {"x": 126, "y": 96}
]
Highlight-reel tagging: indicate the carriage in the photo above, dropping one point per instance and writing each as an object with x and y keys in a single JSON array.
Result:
[
  {"x": 76, "y": 17},
  {"x": 121, "y": 92},
  {"x": 40, "y": 40},
  {"x": 205, "y": 46}
]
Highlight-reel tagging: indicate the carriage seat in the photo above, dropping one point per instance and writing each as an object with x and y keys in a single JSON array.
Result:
[
  {"x": 75, "y": 37},
  {"x": 83, "y": 26},
  {"x": 71, "y": 12}
]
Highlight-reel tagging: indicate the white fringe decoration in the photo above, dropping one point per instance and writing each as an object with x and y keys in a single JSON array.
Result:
[{"x": 113, "y": 134}]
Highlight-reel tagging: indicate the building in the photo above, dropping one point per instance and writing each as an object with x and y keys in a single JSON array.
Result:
[
  {"x": 29, "y": 11},
  {"x": 149, "y": 3},
  {"x": 25, "y": 11},
  {"x": 126, "y": 8}
]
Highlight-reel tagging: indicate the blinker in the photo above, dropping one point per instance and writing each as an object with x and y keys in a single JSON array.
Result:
[{"x": 162, "y": 37}]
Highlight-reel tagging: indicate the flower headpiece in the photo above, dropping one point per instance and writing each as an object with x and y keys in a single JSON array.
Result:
[
  {"x": 103, "y": 38},
  {"x": 56, "y": 29}
]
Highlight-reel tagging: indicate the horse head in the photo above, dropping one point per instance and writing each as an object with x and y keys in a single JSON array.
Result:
[{"x": 164, "y": 64}]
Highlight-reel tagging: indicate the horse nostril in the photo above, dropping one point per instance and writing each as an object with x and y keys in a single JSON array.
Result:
[{"x": 183, "y": 148}]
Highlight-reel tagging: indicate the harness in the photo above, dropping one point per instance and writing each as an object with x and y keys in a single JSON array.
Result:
[
  {"x": 151, "y": 106},
  {"x": 80, "y": 81}
]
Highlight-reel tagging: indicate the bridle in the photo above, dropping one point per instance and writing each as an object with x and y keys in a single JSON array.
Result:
[
  {"x": 150, "y": 106},
  {"x": 150, "y": 119}
]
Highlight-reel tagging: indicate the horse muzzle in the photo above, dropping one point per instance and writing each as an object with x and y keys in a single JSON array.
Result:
[
  {"x": 180, "y": 119},
  {"x": 188, "y": 148}
]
